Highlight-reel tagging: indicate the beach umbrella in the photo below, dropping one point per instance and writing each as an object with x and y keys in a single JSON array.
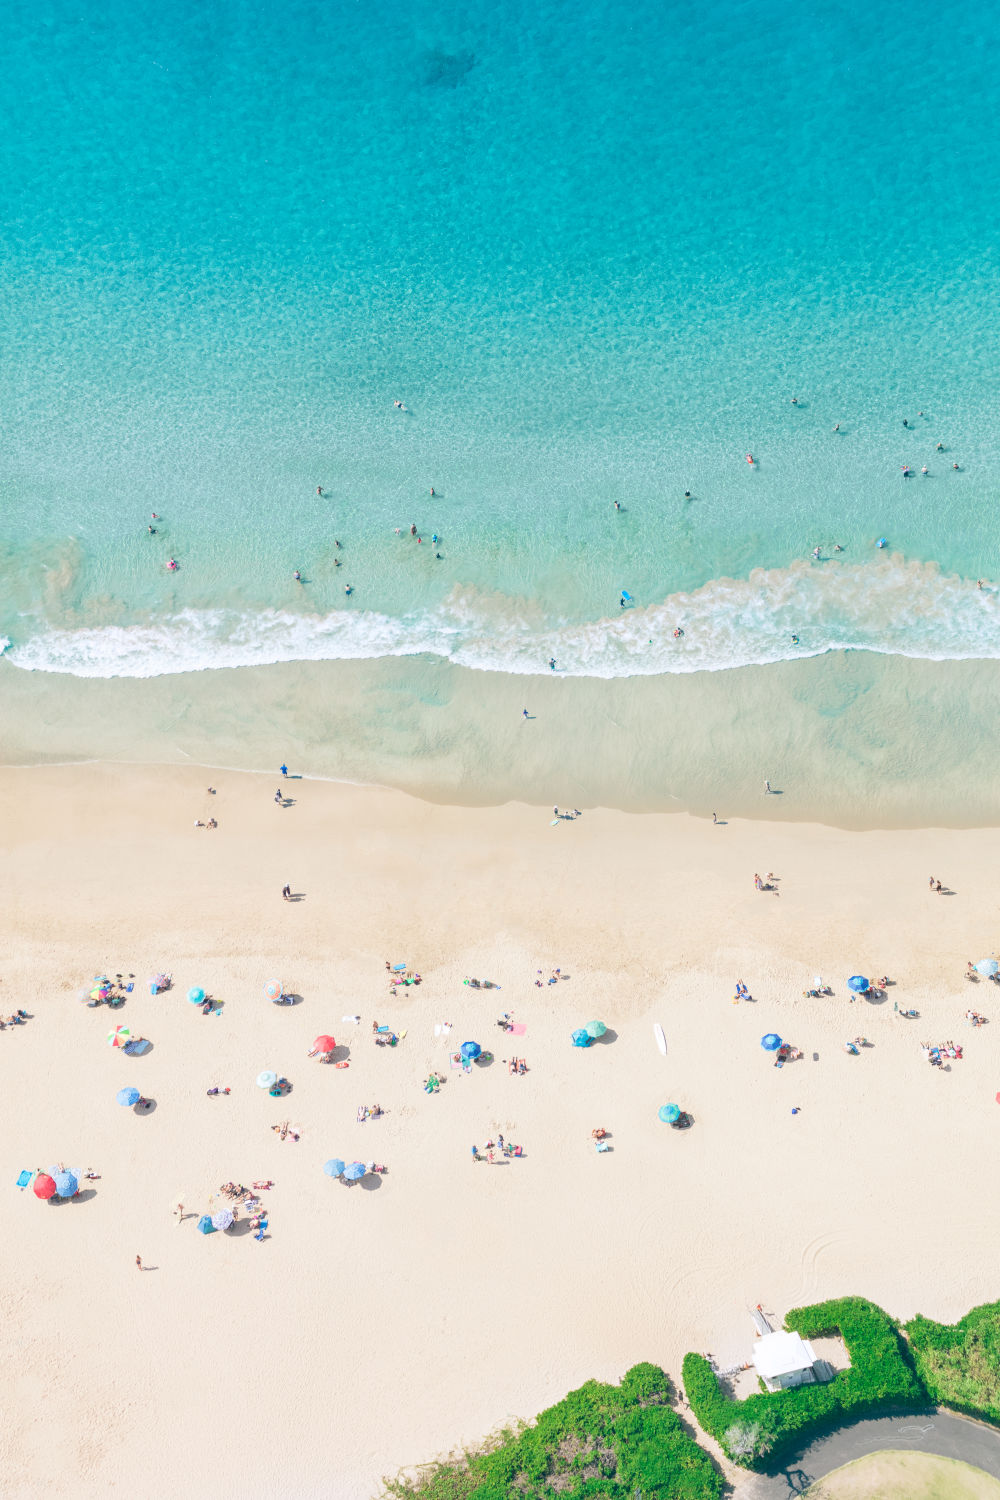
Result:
[
  {"x": 334, "y": 1167},
  {"x": 44, "y": 1186},
  {"x": 266, "y": 1079},
  {"x": 356, "y": 1170},
  {"x": 223, "y": 1219},
  {"x": 272, "y": 989},
  {"x": 669, "y": 1114},
  {"x": 470, "y": 1051},
  {"x": 987, "y": 966},
  {"x": 582, "y": 1038},
  {"x": 99, "y": 992},
  {"x": 128, "y": 1096},
  {"x": 771, "y": 1042},
  {"x": 119, "y": 1036},
  {"x": 596, "y": 1028},
  {"x": 196, "y": 995},
  {"x": 324, "y": 1044},
  {"x": 66, "y": 1184},
  {"x": 205, "y": 1225},
  {"x": 858, "y": 983}
]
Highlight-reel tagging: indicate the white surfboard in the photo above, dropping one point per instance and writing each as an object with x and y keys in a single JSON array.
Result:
[{"x": 661, "y": 1040}]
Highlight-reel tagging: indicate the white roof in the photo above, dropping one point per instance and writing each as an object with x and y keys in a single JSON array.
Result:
[{"x": 781, "y": 1354}]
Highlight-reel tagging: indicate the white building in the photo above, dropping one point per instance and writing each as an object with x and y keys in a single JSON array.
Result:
[{"x": 784, "y": 1359}]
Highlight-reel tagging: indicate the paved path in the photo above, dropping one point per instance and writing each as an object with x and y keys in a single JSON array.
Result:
[{"x": 929, "y": 1432}]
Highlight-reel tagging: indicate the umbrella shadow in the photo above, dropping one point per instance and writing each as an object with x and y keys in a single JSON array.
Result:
[
  {"x": 606, "y": 1038},
  {"x": 340, "y": 1053},
  {"x": 372, "y": 1182},
  {"x": 142, "y": 1051},
  {"x": 84, "y": 1195},
  {"x": 484, "y": 1060},
  {"x": 145, "y": 1108}
]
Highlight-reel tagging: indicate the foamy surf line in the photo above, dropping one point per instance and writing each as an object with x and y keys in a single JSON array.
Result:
[{"x": 889, "y": 606}]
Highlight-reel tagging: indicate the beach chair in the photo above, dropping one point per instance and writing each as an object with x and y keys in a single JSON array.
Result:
[{"x": 602, "y": 1145}]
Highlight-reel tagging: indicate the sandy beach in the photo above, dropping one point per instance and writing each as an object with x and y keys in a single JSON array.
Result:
[{"x": 380, "y": 1325}]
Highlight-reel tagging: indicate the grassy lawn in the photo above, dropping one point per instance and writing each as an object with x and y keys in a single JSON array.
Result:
[{"x": 905, "y": 1476}]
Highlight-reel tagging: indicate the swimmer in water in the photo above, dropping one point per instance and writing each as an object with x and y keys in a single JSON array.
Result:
[
  {"x": 336, "y": 544},
  {"x": 439, "y": 557},
  {"x": 151, "y": 530},
  {"x": 687, "y": 494},
  {"x": 552, "y": 663},
  {"x": 154, "y": 516},
  {"x": 925, "y": 471},
  {"x": 297, "y": 576},
  {"x": 905, "y": 422},
  {"x": 795, "y": 640},
  {"x": 749, "y": 458},
  {"x": 349, "y": 589},
  {"x": 815, "y": 552},
  {"x": 678, "y": 632},
  {"x": 954, "y": 466},
  {"x": 836, "y": 427},
  {"x": 319, "y": 489},
  {"x": 434, "y": 538},
  {"x": 881, "y": 542},
  {"x": 838, "y": 548},
  {"x": 906, "y": 471},
  {"x": 336, "y": 562},
  {"x": 617, "y": 505},
  {"x": 432, "y": 490},
  {"x": 413, "y": 528},
  {"x": 172, "y": 566},
  {"x": 940, "y": 447},
  {"x": 795, "y": 400}
]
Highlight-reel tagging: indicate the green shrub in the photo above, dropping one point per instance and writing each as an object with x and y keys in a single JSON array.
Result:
[
  {"x": 959, "y": 1363},
  {"x": 764, "y": 1427},
  {"x": 604, "y": 1441}
]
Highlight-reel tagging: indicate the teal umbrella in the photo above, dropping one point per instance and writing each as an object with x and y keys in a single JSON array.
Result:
[
  {"x": 669, "y": 1114},
  {"x": 196, "y": 995},
  {"x": 596, "y": 1028},
  {"x": 205, "y": 1225}
]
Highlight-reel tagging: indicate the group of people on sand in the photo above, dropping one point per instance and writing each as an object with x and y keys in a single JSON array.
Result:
[
  {"x": 17, "y": 1019},
  {"x": 936, "y": 1055},
  {"x": 489, "y": 1151},
  {"x": 766, "y": 885}
]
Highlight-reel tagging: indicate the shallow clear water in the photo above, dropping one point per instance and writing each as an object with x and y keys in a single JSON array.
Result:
[{"x": 594, "y": 251}]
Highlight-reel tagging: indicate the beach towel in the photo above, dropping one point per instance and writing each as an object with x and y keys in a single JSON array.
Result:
[
  {"x": 24, "y": 1178},
  {"x": 519, "y": 1028}
]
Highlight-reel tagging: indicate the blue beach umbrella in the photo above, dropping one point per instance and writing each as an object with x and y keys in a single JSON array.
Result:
[
  {"x": 266, "y": 1079},
  {"x": 669, "y": 1114},
  {"x": 596, "y": 1028},
  {"x": 470, "y": 1051},
  {"x": 196, "y": 995},
  {"x": 334, "y": 1167},
  {"x": 771, "y": 1042},
  {"x": 66, "y": 1184},
  {"x": 128, "y": 1096},
  {"x": 582, "y": 1038},
  {"x": 205, "y": 1225},
  {"x": 355, "y": 1171},
  {"x": 987, "y": 966},
  {"x": 858, "y": 983}
]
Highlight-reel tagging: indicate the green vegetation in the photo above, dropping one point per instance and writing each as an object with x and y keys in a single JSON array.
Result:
[
  {"x": 959, "y": 1363},
  {"x": 764, "y": 1427},
  {"x": 602, "y": 1442}
]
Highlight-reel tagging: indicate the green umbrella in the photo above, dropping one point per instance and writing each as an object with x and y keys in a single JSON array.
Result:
[{"x": 596, "y": 1028}]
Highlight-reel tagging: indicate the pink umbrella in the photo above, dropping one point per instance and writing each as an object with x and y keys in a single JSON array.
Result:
[
  {"x": 324, "y": 1044},
  {"x": 44, "y": 1186}
]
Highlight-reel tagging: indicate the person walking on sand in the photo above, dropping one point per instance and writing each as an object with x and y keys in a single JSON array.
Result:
[
  {"x": 179, "y": 1211},
  {"x": 714, "y": 818},
  {"x": 138, "y": 1261},
  {"x": 767, "y": 788}
]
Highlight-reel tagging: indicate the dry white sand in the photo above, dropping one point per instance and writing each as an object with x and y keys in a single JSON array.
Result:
[{"x": 380, "y": 1325}]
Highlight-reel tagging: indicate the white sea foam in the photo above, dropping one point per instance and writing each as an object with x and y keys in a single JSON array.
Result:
[{"x": 889, "y": 606}]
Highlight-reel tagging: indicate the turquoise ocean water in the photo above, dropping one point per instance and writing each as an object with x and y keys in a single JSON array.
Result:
[{"x": 594, "y": 250}]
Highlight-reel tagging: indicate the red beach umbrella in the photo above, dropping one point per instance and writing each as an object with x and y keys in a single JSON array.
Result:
[
  {"x": 324, "y": 1044},
  {"x": 44, "y": 1186}
]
